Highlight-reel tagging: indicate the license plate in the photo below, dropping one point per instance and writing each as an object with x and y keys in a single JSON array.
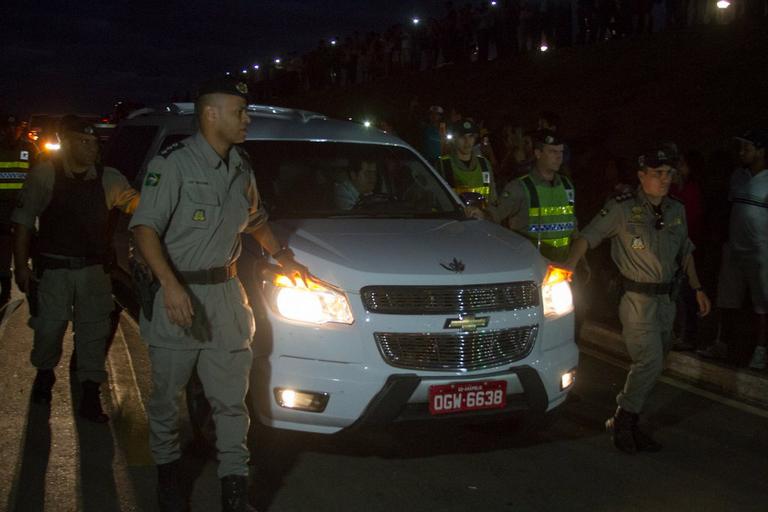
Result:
[{"x": 467, "y": 396}]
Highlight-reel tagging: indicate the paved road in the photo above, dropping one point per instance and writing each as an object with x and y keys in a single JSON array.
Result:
[{"x": 715, "y": 457}]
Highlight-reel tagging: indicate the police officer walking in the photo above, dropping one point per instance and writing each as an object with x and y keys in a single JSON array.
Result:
[
  {"x": 651, "y": 248},
  {"x": 15, "y": 160},
  {"x": 70, "y": 196},
  {"x": 198, "y": 196},
  {"x": 540, "y": 205},
  {"x": 464, "y": 170}
]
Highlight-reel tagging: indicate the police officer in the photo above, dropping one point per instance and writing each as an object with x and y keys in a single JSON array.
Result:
[
  {"x": 651, "y": 248},
  {"x": 540, "y": 205},
  {"x": 70, "y": 196},
  {"x": 463, "y": 169},
  {"x": 198, "y": 196},
  {"x": 15, "y": 160}
]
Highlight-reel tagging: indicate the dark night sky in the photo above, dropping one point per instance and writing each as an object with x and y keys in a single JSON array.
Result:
[{"x": 62, "y": 56}]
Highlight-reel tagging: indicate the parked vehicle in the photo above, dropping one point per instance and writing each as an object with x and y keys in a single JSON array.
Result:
[{"x": 413, "y": 310}]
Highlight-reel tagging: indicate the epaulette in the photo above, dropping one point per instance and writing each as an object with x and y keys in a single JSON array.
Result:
[
  {"x": 170, "y": 149},
  {"x": 620, "y": 198}
]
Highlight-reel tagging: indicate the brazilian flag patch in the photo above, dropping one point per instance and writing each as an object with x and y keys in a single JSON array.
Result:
[
  {"x": 152, "y": 179},
  {"x": 199, "y": 216}
]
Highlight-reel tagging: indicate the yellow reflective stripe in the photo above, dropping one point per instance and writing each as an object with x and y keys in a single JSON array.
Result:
[
  {"x": 550, "y": 210},
  {"x": 11, "y": 186},
  {"x": 556, "y": 242},
  {"x": 14, "y": 165},
  {"x": 480, "y": 190}
]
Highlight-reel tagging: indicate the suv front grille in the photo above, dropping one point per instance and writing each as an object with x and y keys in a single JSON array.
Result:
[
  {"x": 447, "y": 300},
  {"x": 456, "y": 351}
]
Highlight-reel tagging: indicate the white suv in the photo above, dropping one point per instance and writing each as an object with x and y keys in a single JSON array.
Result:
[{"x": 414, "y": 311}]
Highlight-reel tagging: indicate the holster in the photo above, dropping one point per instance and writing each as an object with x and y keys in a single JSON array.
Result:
[{"x": 146, "y": 287}]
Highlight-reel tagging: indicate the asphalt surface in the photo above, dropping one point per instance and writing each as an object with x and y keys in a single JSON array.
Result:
[{"x": 715, "y": 456}]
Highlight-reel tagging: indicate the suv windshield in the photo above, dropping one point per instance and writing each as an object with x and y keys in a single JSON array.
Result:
[{"x": 301, "y": 179}]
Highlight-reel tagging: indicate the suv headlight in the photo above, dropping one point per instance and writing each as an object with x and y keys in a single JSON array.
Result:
[
  {"x": 556, "y": 292},
  {"x": 312, "y": 301}
]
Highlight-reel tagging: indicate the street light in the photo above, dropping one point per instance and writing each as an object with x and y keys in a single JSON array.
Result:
[
  {"x": 245, "y": 71},
  {"x": 256, "y": 67},
  {"x": 415, "y": 20},
  {"x": 277, "y": 60},
  {"x": 333, "y": 42},
  {"x": 723, "y": 4},
  {"x": 543, "y": 47},
  {"x": 494, "y": 3},
  {"x": 228, "y": 73}
]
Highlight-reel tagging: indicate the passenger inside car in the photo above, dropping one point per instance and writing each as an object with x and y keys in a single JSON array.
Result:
[{"x": 361, "y": 181}]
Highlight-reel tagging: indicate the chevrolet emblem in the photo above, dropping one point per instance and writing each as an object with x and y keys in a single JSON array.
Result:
[{"x": 467, "y": 323}]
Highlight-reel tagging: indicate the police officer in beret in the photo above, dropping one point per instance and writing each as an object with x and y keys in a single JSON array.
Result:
[
  {"x": 651, "y": 248},
  {"x": 540, "y": 205},
  {"x": 70, "y": 197},
  {"x": 199, "y": 195}
]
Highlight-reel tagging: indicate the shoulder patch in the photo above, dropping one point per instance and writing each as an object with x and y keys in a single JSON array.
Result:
[{"x": 170, "y": 149}]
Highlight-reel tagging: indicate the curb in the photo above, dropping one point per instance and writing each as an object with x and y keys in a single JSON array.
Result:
[{"x": 740, "y": 384}]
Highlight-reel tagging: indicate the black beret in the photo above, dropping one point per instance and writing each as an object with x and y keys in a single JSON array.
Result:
[
  {"x": 226, "y": 85},
  {"x": 73, "y": 123}
]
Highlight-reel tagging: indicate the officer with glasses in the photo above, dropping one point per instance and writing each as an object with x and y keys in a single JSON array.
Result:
[{"x": 651, "y": 248}]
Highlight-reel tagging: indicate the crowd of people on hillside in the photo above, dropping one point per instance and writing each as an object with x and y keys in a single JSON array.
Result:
[{"x": 483, "y": 31}]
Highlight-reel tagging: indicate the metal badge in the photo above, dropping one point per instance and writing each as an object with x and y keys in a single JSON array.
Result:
[
  {"x": 199, "y": 216},
  {"x": 241, "y": 87},
  {"x": 637, "y": 243}
]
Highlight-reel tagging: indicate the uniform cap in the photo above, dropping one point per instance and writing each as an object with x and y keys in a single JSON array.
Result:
[
  {"x": 757, "y": 137},
  {"x": 658, "y": 155},
  {"x": 464, "y": 127},
  {"x": 225, "y": 85},
  {"x": 76, "y": 124},
  {"x": 548, "y": 137}
]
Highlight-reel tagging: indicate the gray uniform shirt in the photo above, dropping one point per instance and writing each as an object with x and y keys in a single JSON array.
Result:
[
  {"x": 199, "y": 204},
  {"x": 38, "y": 190},
  {"x": 641, "y": 252}
]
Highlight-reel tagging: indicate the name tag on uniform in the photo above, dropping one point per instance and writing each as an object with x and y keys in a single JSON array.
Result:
[
  {"x": 486, "y": 178},
  {"x": 24, "y": 155}
]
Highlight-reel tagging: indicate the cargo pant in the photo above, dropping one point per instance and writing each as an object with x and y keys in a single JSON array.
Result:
[
  {"x": 85, "y": 297},
  {"x": 224, "y": 375},
  {"x": 647, "y": 322}
]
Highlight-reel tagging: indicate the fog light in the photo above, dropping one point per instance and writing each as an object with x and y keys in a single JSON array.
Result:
[
  {"x": 301, "y": 400},
  {"x": 567, "y": 380}
]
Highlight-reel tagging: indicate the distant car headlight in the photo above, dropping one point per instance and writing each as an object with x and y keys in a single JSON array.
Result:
[
  {"x": 311, "y": 301},
  {"x": 556, "y": 292},
  {"x": 52, "y": 146}
]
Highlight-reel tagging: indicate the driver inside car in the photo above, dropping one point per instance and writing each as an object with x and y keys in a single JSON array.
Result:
[{"x": 361, "y": 182}]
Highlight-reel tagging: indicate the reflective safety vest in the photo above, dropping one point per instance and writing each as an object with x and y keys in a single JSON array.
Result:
[
  {"x": 479, "y": 179},
  {"x": 551, "y": 218},
  {"x": 14, "y": 165}
]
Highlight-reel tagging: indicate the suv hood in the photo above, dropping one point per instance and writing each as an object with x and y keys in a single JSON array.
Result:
[{"x": 353, "y": 253}]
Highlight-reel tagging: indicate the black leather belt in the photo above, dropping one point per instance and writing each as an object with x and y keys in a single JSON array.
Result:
[
  {"x": 214, "y": 275},
  {"x": 69, "y": 262},
  {"x": 647, "y": 288}
]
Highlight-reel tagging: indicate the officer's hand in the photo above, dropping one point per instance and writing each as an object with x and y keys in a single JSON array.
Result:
[
  {"x": 705, "y": 306},
  {"x": 473, "y": 212},
  {"x": 23, "y": 274},
  {"x": 178, "y": 306},
  {"x": 291, "y": 267}
]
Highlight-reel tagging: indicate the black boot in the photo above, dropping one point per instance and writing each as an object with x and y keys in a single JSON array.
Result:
[
  {"x": 620, "y": 428},
  {"x": 170, "y": 497},
  {"x": 644, "y": 442},
  {"x": 90, "y": 403},
  {"x": 5, "y": 290},
  {"x": 41, "y": 388},
  {"x": 234, "y": 494}
]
